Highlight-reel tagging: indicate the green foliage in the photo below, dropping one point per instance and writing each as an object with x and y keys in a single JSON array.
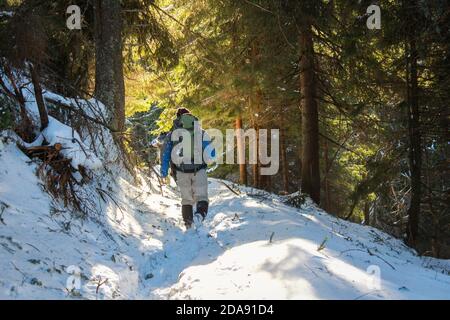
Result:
[
  {"x": 6, "y": 113},
  {"x": 142, "y": 127},
  {"x": 148, "y": 44}
]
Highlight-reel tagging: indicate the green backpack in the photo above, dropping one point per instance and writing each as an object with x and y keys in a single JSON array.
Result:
[{"x": 187, "y": 121}]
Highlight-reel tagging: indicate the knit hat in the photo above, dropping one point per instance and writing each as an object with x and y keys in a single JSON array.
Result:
[{"x": 182, "y": 111}]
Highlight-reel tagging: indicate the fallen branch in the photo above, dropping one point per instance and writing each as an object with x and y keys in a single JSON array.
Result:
[
  {"x": 271, "y": 237},
  {"x": 365, "y": 294},
  {"x": 29, "y": 244},
  {"x": 24, "y": 276},
  {"x": 371, "y": 254},
  {"x": 113, "y": 200},
  {"x": 99, "y": 284},
  {"x": 3, "y": 206},
  {"x": 159, "y": 181},
  {"x": 312, "y": 270},
  {"x": 231, "y": 189},
  {"x": 59, "y": 179}
]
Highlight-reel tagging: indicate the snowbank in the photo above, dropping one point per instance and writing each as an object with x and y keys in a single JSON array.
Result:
[
  {"x": 46, "y": 253},
  {"x": 73, "y": 146}
]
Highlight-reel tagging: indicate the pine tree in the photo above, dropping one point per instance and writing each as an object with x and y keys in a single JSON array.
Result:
[{"x": 109, "y": 81}]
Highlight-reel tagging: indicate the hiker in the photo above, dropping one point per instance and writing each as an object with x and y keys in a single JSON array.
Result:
[{"x": 191, "y": 177}]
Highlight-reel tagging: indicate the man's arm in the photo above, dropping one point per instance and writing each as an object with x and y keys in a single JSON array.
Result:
[
  {"x": 165, "y": 158},
  {"x": 211, "y": 155}
]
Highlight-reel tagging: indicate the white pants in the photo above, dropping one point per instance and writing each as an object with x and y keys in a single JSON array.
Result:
[{"x": 193, "y": 187}]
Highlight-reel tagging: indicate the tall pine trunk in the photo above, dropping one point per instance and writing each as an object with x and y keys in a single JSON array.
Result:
[
  {"x": 109, "y": 81},
  {"x": 241, "y": 152},
  {"x": 283, "y": 159},
  {"x": 243, "y": 178},
  {"x": 256, "y": 166},
  {"x": 326, "y": 180},
  {"x": 415, "y": 148},
  {"x": 310, "y": 181}
]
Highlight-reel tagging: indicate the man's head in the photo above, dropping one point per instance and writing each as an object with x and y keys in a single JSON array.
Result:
[{"x": 182, "y": 111}]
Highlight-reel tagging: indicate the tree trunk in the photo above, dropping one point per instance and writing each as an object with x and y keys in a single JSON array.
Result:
[
  {"x": 243, "y": 177},
  {"x": 415, "y": 148},
  {"x": 284, "y": 163},
  {"x": 256, "y": 175},
  {"x": 326, "y": 179},
  {"x": 109, "y": 82},
  {"x": 43, "y": 115},
  {"x": 241, "y": 152},
  {"x": 310, "y": 119},
  {"x": 265, "y": 183},
  {"x": 366, "y": 213}
]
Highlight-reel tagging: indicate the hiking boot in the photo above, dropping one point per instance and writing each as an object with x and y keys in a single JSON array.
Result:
[
  {"x": 202, "y": 208},
  {"x": 200, "y": 215},
  {"x": 198, "y": 219},
  {"x": 188, "y": 216}
]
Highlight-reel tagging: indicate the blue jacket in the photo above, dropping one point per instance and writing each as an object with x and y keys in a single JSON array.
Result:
[{"x": 167, "y": 154}]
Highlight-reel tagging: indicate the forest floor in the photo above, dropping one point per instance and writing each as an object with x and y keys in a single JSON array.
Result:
[{"x": 252, "y": 247}]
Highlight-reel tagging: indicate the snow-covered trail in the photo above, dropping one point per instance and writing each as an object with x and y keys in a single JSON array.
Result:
[
  {"x": 261, "y": 249},
  {"x": 136, "y": 247}
]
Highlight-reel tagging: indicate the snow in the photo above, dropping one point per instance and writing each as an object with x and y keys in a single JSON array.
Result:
[
  {"x": 40, "y": 242},
  {"x": 132, "y": 244},
  {"x": 91, "y": 107},
  {"x": 257, "y": 248},
  {"x": 249, "y": 266},
  {"x": 6, "y": 14},
  {"x": 73, "y": 146}
]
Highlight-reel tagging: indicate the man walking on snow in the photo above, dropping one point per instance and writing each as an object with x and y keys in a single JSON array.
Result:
[{"x": 188, "y": 162}]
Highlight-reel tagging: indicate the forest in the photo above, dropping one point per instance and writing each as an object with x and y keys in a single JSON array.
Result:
[{"x": 359, "y": 91}]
